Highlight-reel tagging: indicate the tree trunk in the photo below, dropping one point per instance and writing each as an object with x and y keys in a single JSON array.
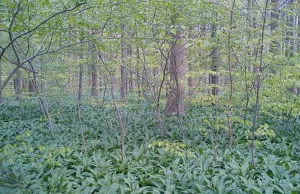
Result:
[
  {"x": 177, "y": 71},
  {"x": 191, "y": 82},
  {"x": 113, "y": 82},
  {"x": 25, "y": 85},
  {"x": 123, "y": 82},
  {"x": 124, "y": 50},
  {"x": 31, "y": 86},
  {"x": 80, "y": 88},
  {"x": 213, "y": 77},
  {"x": 94, "y": 73},
  {"x": 274, "y": 46},
  {"x": 18, "y": 83}
]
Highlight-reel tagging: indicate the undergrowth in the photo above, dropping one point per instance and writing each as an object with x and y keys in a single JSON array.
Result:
[{"x": 85, "y": 157}]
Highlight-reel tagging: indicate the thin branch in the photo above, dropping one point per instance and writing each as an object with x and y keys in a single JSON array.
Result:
[{"x": 42, "y": 23}]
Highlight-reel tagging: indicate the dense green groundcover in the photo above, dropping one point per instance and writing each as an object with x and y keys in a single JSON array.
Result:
[{"x": 193, "y": 158}]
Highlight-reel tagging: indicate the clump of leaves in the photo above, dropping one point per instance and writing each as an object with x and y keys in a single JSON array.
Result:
[{"x": 177, "y": 148}]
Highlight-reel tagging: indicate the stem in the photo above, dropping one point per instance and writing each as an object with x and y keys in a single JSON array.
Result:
[
  {"x": 0, "y": 81},
  {"x": 229, "y": 107},
  {"x": 258, "y": 83},
  {"x": 118, "y": 114},
  {"x": 79, "y": 97}
]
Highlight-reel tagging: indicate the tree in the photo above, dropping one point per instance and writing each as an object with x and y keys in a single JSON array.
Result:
[
  {"x": 177, "y": 70},
  {"x": 213, "y": 77},
  {"x": 24, "y": 34},
  {"x": 94, "y": 73},
  {"x": 124, "y": 50},
  {"x": 18, "y": 82}
]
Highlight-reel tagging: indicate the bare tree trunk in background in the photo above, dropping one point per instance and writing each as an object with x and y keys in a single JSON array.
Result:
[
  {"x": 123, "y": 82},
  {"x": 296, "y": 40},
  {"x": 213, "y": 77},
  {"x": 191, "y": 81},
  {"x": 294, "y": 36},
  {"x": 31, "y": 86},
  {"x": 275, "y": 45},
  {"x": 102, "y": 84},
  {"x": 95, "y": 81},
  {"x": 177, "y": 71},
  {"x": 25, "y": 85},
  {"x": 113, "y": 82},
  {"x": 191, "y": 77},
  {"x": 138, "y": 79},
  {"x": 295, "y": 33},
  {"x": 258, "y": 81},
  {"x": 130, "y": 79},
  {"x": 94, "y": 72},
  {"x": 274, "y": 15},
  {"x": 18, "y": 82},
  {"x": 229, "y": 105},
  {"x": 80, "y": 88},
  {"x": 252, "y": 53},
  {"x": 124, "y": 50},
  {"x": 131, "y": 83},
  {"x": 145, "y": 72},
  {"x": 119, "y": 116},
  {"x": 289, "y": 40}
]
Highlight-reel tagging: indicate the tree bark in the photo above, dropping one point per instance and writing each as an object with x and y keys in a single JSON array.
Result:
[
  {"x": 274, "y": 47},
  {"x": 213, "y": 77},
  {"x": 94, "y": 72},
  {"x": 80, "y": 88},
  {"x": 31, "y": 86},
  {"x": 124, "y": 51},
  {"x": 191, "y": 83},
  {"x": 18, "y": 83},
  {"x": 123, "y": 82},
  {"x": 177, "y": 71},
  {"x": 229, "y": 104},
  {"x": 95, "y": 81}
]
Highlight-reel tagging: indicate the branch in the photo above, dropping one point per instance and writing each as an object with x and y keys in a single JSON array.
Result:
[
  {"x": 20, "y": 66},
  {"x": 64, "y": 47},
  {"x": 42, "y": 23}
]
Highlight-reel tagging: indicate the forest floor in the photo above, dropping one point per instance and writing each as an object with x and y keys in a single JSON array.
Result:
[{"x": 193, "y": 157}]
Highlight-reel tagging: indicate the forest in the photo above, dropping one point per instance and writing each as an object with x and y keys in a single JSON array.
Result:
[{"x": 150, "y": 96}]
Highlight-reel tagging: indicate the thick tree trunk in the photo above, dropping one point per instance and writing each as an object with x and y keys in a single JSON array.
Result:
[
  {"x": 177, "y": 71},
  {"x": 18, "y": 83}
]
